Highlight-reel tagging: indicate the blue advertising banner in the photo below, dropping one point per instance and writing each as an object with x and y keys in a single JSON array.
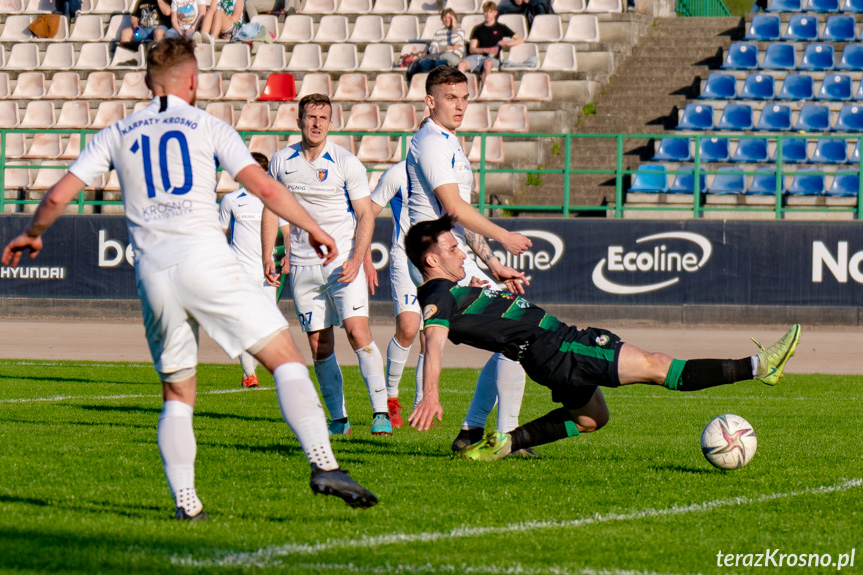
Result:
[{"x": 588, "y": 261}]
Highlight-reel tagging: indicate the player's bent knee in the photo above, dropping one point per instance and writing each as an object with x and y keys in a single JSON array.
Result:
[{"x": 177, "y": 376}]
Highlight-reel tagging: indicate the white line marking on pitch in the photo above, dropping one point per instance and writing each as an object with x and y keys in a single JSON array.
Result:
[
  {"x": 517, "y": 569},
  {"x": 266, "y": 556},
  {"x": 125, "y": 396}
]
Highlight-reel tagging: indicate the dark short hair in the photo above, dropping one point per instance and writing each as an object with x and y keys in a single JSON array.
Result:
[
  {"x": 444, "y": 75},
  {"x": 169, "y": 52},
  {"x": 448, "y": 11},
  {"x": 423, "y": 236},
  {"x": 313, "y": 100},
  {"x": 262, "y": 160}
]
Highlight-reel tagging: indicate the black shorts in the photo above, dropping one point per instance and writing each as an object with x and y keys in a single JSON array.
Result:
[{"x": 573, "y": 362}]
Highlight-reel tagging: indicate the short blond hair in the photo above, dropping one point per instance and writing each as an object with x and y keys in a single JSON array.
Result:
[
  {"x": 168, "y": 53},
  {"x": 486, "y": 6}
]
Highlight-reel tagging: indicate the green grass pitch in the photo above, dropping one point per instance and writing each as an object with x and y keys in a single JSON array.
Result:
[{"x": 82, "y": 488}]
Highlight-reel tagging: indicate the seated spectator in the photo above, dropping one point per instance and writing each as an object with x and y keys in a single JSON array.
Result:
[
  {"x": 70, "y": 8},
  {"x": 445, "y": 49},
  {"x": 150, "y": 21},
  {"x": 222, "y": 19},
  {"x": 277, "y": 7},
  {"x": 530, "y": 9},
  {"x": 186, "y": 17},
  {"x": 486, "y": 41}
]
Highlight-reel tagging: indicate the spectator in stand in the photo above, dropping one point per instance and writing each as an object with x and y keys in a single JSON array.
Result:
[
  {"x": 445, "y": 49},
  {"x": 150, "y": 21},
  {"x": 70, "y": 8},
  {"x": 530, "y": 8},
  {"x": 486, "y": 41},
  {"x": 223, "y": 19},
  {"x": 186, "y": 17}
]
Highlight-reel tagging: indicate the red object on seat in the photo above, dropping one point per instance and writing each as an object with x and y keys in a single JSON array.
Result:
[{"x": 280, "y": 87}]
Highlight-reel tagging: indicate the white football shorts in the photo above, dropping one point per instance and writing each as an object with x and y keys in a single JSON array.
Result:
[
  {"x": 402, "y": 288},
  {"x": 258, "y": 280},
  {"x": 321, "y": 301},
  {"x": 214, "y": 293}
]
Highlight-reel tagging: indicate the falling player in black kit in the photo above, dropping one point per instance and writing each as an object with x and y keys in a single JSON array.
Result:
[{"x": 569, "y": 361}]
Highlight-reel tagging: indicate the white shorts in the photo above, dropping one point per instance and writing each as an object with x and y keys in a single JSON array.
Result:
[
  {"x": 213, "y": 292},
  {"x": 402, "y": 288},
  {"x": 321, "y": 301},
  {"x": 258, "y": 280}
]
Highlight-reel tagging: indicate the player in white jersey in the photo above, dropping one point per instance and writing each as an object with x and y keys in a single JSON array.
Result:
[
  {"x": 440, "y": 181},
  {"x": 331, "y": 184},
  {"x": 392, "y": 189},
  {"x": 240, "y": 217},
  {"x": 166, "y": 158}
]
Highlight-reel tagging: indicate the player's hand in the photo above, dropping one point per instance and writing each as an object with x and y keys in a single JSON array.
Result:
[
  {"x": 271, "y": 274},
  {"x": 513, "y": 279},
  {"x": 476, "y": 282},
  {"x": 515, "y": 243},
  {"x": 324, "y": 245},
  {"x": 423, "y": 415},
  {"x": 13, "y": 250},
  {"x": 371, "y": 278},
  {"x": 350, "y": 271}
]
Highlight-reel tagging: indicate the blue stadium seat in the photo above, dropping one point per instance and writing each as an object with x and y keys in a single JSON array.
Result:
[
  {"x": 764, "y": 182},
  {"x": 684, "y": 183},
  {"x": 807, "y": 185},
  {"x": 853, "y": 6},
  {"x": 797, "y": 87},
  {"x": 835, "y": 87},
  {"x": 714, "y": 150},
  {"x": 696, "y": 117},
  {"x": 742, "y": 56},
  {"x": 735, "y": 117},
  {"x": 725, "y": 183},
  {"x": 855, "y": 155},
  {"x": 764, "y": 27},
  {"x": 780, "y": 57},
  {"x": 813, "y": 118},
  {"x": 822, "y": 6},
  {"x": 720, "y": 87},
  {"x": 650, "y": 178},
  {"x": 845, "y": 183},
  {"x": 817, "y": 57},
  {"x": 852, "y": 58},
  {"x": 775, "y": 117},
  {"x": 785, "y": 6},
  {"x": 794, "y": 151},
  {"x": 751, "y": 150},
  {"x": 758, "y": 87},
  {"x": 673, "y": 150},
  {"x": 850, "y": 119},
  {"x": 840, "y": 28},
  {"x": 802, "y": 28},
  {"x": 859, "y": 94},
  {"x": 830, "y": 151}
]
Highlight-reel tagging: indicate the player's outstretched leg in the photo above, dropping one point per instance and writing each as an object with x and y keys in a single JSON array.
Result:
[
  {"x": 371, "y": 366},
  {"x": 397, "y": 356},
  {"x": 249, "y": 363},
  {"x": 178, "y": 449},
  {"x": 484, "y": 400},
  {"x": 330, "y": 380},
  {"x": 771, "y": 361}
]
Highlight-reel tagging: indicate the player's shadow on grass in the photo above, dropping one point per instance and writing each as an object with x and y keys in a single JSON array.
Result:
[
  {"x": 4, "y": 498},
  {"x": 685, "y": 469},
  {"x": 54, "y": 421},
  {"x": 121, "y": 408},
  {"x": 279, "y": 448}
]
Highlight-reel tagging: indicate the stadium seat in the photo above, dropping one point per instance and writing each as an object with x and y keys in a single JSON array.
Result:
[
  {"x": 92, "y": 56},
  {"x": 286, "y": 118},
  {"x": 855, "y": 155},
  {"x": 221, "y": 110},
  {"x": 205, "y": 54},
  {"x": 30, "y": 85},
  {"x": 352, "y": 87},
  {"x": 774, "y": 117},
  {"x": 582, "y": 28},
  {"x": 243, "y": 86},
  {"x": 780, "y": 57},
  {"x": 364, "y": 118},
  {"x": 736, "y": 117},
  {"x": 318, "y": 7},
  {"x": 253, "y": 116},
  {"x": 389, "y": 88},
  {"x": 305, "y": 58},
  {"x": 794, "y": 151},
  {"x": 727, "y": 183},
  {"x": 604, "y": 6},
  {"x": 714, "y": 150},
  {"x": 839, "y": 28},
  {"x": 742, "y": 56},
  {"x": 846, "y": 183},
  {"x": 377, "y": 58},
  {"x": 11, "y": 6},
  {"x": 568, "y": 6},
  {"x": 469, "y": 22},
  {"x": 110, "y": 6},
  {"x": 279, "y": 88},
  {"x": 108, "y": 113},
  {"x": 785, "y": 6},
  {"x": 522, "y": 57},
  {"x": 853, "y": 6},
  {"x": 400, "y": 118},
  {"x": 23, "y": 57},
  {"x": 807, "y": 185},
  {"x": 88, "y": 28},
  {"x": 751, "y": 150},
  {"x": 210, "y": 85},
  {"x": 758, "y": 87},
  {"x": 99, "y": 86},
  {"x": 417, "y": 89},
  {"x": 15, "y": 29},
  {"x": 802, "y": 28},
  {"x": 389, "y": 7},
  {"x": 673, "y": 150},
  {"x": 139, "y": 106},
  {"x": 4, "y": 85},
  {"x": 226, "y": 183},
  {"x": 125, "y": 59},
  {"x": 817, "y": 57},
  {"x": 116, "y": 25},
  {"x": 813, "y": 118},
  {"x": 234, "y": 56},
  {"x": 719, "y": 87},
  {"x": 516, "y": 22},
  {"x": 269, "y": 57},
  {"x": 850, "y": 119},
  {"x": 534, "y": 86},
  {"x": 375, "y": 149},
  {"x": 822, "y": 6},
  {"x": 268, "y": 21},
  {"x": 73, "y": 147},
  {"x": 74, "y": 115},
  {"x": 651, "y": 178},
  {"x": 764, "y": 28},
  {"x": 297, "y": 29},
  {"x": 546, "y": 28},
  {"x": 498, "y": 86},
  {"x": 368, "y": 29},
  {"x": 560, "y": 57},
  {"x": 477, "y": 118},
  {"x": 9, "y": 117},
  {"x": 852, "y": 58},
  {"x": 764, "y": 183},
  {"x": 40, "y": 114},
  {"x": 404, "y": 28},
  {"x": 511, "y": 118},
  {"x": 315, "y": 84},
  {"x": 830, "y": 151},
  {"x": 44, "y": 145},
  {"x": 332, "y": 28},
  {"x": 65, "y": 86},
  {"x": 134, "y": 87},
  {"x": 697, "y": 117},
  {"x": 493, "y": 150},
  {"x": 266, "y": 144},
  {"x": 835, "y": 87},
  {"x": 423, "y": 7},
  {"x": 463, "y": 6},
  {"x": 46, "y": 177},
  {"x": 341, "y": 58},
  {"x": 355, "y": 6},
  {"x": 797, "y": 87},
  {"x": 859, "y": 94},
  {"x": 432, "y": 24},
  {"x": 684, "y": 182},
  {"x": 15, "y": 147}
]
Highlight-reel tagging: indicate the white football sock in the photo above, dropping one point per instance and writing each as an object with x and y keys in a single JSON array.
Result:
[
  {"x": 249, "y": 363},
  {"x": 397, "y": 356},
  {"x": 330, "y": 380},
  {"x": 302, "y": 411},
  {"x": 177, "y": 446},
  {"x": 756, "y": 365},
  {"x": 510, "y": 391},
  {"x": 372, "y": 370},
  {"x": 484, "y": 397},
  {"x": 419, "y": 378}
]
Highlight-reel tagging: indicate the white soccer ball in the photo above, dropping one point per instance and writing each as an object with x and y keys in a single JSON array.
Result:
[{"x": 728, "y": 441}]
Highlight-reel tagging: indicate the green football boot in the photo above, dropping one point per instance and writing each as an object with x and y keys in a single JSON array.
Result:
[
  {"x": 773, "y": 359},
  {"x": 495, "y": 445}
]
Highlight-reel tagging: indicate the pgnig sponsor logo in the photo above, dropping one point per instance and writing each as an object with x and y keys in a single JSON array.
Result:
[{"x": 669, "y": 254}]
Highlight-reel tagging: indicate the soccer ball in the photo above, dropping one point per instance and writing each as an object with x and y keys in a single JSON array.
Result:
[{"x": 728, "y": 441}]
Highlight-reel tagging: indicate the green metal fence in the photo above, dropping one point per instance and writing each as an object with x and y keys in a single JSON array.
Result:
[
  {"x": 697, "y": 207},
  {"x": 702, "y": 8}
]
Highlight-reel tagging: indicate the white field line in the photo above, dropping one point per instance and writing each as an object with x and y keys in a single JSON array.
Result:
[
  {"x": 38, "y": 363},
  {"x": 269, "y": 556},
  {"x": 124, "y": 396},
  {"x": 516, "y": 569}
]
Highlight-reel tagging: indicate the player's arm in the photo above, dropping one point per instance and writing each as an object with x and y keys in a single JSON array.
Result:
[
  {"x": 371, "y": 272},
  {"x": 429, "y": 407},
  {"x": 50, "y": 208},
  {"x": 514, "y": 279},
  {"x": 362, "y": 238},
  {"x": 269, "y": 231}
]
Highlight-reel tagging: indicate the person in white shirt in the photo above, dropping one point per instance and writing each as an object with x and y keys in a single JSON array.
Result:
[
  {"x": 331, "y": 184},
  {"x": 166, "y": 157},
  {"x": 240, "y": 217},
  {"x": 440, "y": 181}
]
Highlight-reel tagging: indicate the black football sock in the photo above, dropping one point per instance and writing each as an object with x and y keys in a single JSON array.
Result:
[
  {"x": 558, "y": 424},
  {"x": 696, "y": 374},
  {"x": 467, "y": 437}
]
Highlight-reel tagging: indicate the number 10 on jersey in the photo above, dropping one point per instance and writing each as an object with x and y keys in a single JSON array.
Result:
[{"x": 146, "y": 155}]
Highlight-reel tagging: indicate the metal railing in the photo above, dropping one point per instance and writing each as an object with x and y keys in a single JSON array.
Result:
[{"x": 702, "y": 8}]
